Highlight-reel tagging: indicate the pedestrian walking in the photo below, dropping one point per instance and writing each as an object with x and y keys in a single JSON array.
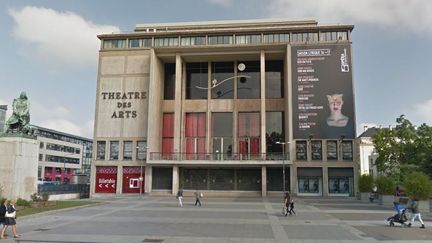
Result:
[
  {"x": 180, "y": 197},
  {"x": 415, "y": 213},
  {"x": 287, "y": 201},
  {"x": 10, "y": 219},
  {"x": 291, "y": 207},
  {"x": 3, "y": 209},
  {"x": 198, "y": 195}
]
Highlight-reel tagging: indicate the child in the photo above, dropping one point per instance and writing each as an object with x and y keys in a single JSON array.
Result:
[{"x": 291, "y": 207}]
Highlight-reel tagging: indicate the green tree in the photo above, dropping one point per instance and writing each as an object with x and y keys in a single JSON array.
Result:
[
  {"x": 366, "y": 183},
  {"x": 404, "y": 149},
  {"x": 417, "y": 185}
]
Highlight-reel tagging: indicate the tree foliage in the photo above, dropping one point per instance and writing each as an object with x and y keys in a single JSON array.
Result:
[
  {"x": 418, "y": 185},
  {"x": 366, "y": 183},
  {"x": 404, "y": 149},
  {"x": 385, "y": 185}
]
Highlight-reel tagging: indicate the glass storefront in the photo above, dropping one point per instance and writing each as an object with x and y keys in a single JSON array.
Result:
[
  {"x": 309, "y": 181},
  {"x": 275, "y": 179},
  {"x": 341, "y": 181}
]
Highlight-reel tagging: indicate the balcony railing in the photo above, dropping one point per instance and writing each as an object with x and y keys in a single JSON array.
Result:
[{"x": 218, "y": 156}]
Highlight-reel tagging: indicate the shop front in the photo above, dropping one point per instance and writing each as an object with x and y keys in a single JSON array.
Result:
[
  {"x": 133, "y": 179},
  {"x": 309, "y": 181},
  {"x": 106, "y": 179}
]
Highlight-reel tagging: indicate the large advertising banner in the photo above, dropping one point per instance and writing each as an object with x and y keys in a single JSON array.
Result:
[
  {"x": 106, "y": 179},
  {"x": 323, "y": 99}
]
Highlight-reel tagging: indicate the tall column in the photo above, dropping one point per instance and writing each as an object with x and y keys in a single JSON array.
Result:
[
  {"x": 263, "y": 181},
  {"x": 175, "y": 180},
  {"x": 178, "y": 104},
  {"x": 119, "y": 184},
  {"x": 263, "y": 105},
  {"x": 325, "y": 181},
  {"x": 148, "y": 179}
]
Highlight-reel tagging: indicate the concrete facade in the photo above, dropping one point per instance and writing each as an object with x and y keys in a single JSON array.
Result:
[
  {"x": 123, "y": 118},
  {"x": 18, "y": 167}
]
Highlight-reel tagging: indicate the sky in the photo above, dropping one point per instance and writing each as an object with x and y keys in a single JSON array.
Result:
[{"x": 49, "y": 49}]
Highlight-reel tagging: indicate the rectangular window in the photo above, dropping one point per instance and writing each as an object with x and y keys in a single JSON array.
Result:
[
  {"x": 192, "y": 41},
  {"x": 275, "y": 133},
  {"x": 114, "y": 150},
  {"x": 334, "y": 36},
  {"x": 168, "y": 136},
  {"x": 195, "y": 135},
  {"x": 316, "y": 150},
  {"x": 222, "y": 135},
  {"x": 114, "y": 44},
  {"x": 137, "y": 43},
  {"x": 127, "y": 150},
  {"x": 168, "y": 41},
  {"x": 220, "y": 40},
  {"x": 305, "y": 37},
  {"x": 332, "y": 151},
  {"x": 276, "y": 38},
  {"x": 249, "y": 134},
  {"x": 301, "y": 150},
  {"x": 249, "y": 80},
  {"x": 41, "y": 145},
  {"x": 248, "y": 39},
  {"x": 222, "y": 80},
  {"x": 141, "y": 150},
  {"x": 169, "y": 81},
  {"x": 40, "y": 157},
  {"x": 101, "y": 147},
  {"x": 196, "y": 80},
  {"x": 274, "y": 79},
  {"x": 347, "y": 150}
]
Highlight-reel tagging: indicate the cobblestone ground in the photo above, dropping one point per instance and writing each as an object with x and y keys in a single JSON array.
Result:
[{"x": 160, "y": 219}]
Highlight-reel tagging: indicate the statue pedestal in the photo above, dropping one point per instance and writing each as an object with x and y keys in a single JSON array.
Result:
[{"x": 18, "y": 167}]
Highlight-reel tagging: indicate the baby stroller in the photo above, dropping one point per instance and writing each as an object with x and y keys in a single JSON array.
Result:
[{"x": 400, "y": 217}]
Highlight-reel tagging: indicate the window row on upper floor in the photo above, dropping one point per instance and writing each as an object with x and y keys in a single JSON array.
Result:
[{"x": 238, "y": 39}]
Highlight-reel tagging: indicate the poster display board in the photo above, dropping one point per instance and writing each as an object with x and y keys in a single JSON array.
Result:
[{"x": 323, "y": 99}]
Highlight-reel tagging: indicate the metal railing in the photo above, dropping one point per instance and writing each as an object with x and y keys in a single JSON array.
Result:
[{"x": 219, "y": 156}]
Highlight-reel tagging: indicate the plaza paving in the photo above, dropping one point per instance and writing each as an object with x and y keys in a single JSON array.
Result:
[{"x": 160, "y": 219}]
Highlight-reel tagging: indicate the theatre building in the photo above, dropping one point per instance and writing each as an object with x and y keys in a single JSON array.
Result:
[{"x": 226, "y": 107}]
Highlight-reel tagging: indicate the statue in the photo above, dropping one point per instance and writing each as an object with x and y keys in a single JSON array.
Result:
[{"x": 19, "y": 122}]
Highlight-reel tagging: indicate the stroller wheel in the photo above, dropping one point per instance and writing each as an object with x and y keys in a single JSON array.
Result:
[{"x": 391, "y": 224}]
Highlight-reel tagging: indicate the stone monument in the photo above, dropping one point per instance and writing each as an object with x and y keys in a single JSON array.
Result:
[{"x": 19, "y": 153}]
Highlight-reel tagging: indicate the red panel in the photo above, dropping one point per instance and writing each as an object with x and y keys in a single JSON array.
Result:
[
  {"x": 106, "y": 179},
  {"x": 167, "y": 148},
  {"x": 255, "y": 145},
  {"x": 201, "y": 128},
  {"x": 201, "y": 148},
  {"x": 131, "y": 175},
  {"x": 243, "y": 147},
  {"x": 242, "y": 125},
  {"x": 254, "y": 129},
  {"x": 190, "y": 148},
  {"x": 190, "y": 125},
  {"x": 168, "y": 125}
]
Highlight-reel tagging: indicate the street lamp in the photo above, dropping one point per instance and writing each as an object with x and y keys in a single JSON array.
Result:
[
  {"x": 141, "y": 178},
  {"x": 283, "y": 161}
]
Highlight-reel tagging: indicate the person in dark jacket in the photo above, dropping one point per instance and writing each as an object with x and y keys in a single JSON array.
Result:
[
  {"x": 287, "y": 202},
  {"x": 415, "y": 213},
  {"x": 9, "y": 221},
  {"x": 2, "y": 216}
]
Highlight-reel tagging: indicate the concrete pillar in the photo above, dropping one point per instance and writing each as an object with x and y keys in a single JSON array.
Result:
[
  {"x": 175, "y": 180},
  {"x": 119, "y": 185},
  {"x": 263, "y": 105},
  {"x": 263, "y": 181},
  {"x": 178, "y": 104},
  {"x": 148, "y": 179},
  {"x": 293, "y": 178},
  {"x": 325, "y": 181}
]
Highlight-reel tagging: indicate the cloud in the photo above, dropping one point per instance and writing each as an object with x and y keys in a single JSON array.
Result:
[
  {"x": 422, "y": 113},
  {"x": 57, "y": 36},
  {"x": 413, "y": 15},
  {"x": 222, "y": 3}
]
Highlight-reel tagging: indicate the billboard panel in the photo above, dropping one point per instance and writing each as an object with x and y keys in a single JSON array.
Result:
[{"x": 323, "y": 99}]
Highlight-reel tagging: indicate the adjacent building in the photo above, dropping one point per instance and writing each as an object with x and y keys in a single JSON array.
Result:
[
  {"x": 228, "y": 107},
  {"x": 3, "y": 109},
  {"x": 62, "y": 155}
]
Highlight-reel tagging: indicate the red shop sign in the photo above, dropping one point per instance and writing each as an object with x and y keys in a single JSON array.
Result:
[{"x": 106, "y": 179}]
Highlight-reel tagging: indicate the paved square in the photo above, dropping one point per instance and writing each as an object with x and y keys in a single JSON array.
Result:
[{"x": 160, "y": 219}]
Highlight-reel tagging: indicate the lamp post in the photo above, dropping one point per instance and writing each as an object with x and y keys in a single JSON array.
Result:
[
  {"x": 141, "y": 178},
  {"x": 283, "y": 162}
]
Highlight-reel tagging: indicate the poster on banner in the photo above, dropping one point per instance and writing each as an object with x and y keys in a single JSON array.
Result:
[
  {"x": 323, "y": 98},
  {"x": 106, "y": 179}
]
